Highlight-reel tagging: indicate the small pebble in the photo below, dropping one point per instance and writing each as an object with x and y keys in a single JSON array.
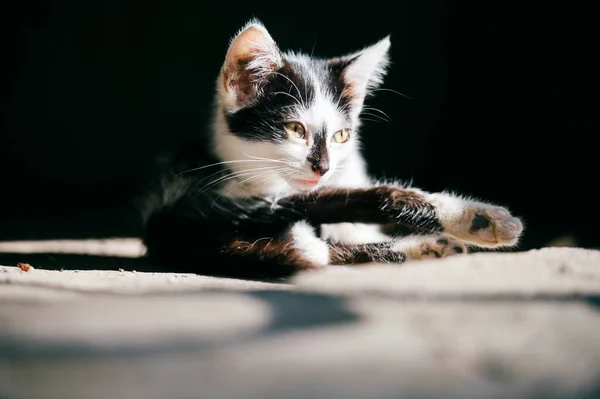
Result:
[{"x": 24, "y": 266}]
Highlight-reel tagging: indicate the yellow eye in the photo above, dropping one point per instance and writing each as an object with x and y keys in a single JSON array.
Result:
[
  {"x": 341, "y": 136},
  {"x": 296, "y": 129}
]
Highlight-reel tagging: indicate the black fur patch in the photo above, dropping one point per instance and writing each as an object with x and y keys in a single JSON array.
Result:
[
  {"x": 263, "y": 120},
  {"x": 318, "y": 156},
  {"x": 410, "y": 209},
  {"x": 458, "y": 250}
]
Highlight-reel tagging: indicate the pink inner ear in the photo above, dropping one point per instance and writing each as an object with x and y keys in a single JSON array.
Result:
[
  {"x": 245, "y": 45},
  {"x": 350, "y": 91},
  {"x": 243, "y": 84},
  {"x": 239, "y": 54},
  {"x": 248, "y": 47}
]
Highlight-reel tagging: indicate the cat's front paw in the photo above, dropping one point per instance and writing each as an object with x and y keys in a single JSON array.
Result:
[
  {"x": 477, "y": 223},
  {"x": 495, "y": 226},
  {"x": 486, "y": 226}
]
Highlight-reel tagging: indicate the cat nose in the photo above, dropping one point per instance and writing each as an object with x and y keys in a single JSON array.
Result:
[
  {"x": 320, "y": 168},
  {"x": 319, "y": 159}
]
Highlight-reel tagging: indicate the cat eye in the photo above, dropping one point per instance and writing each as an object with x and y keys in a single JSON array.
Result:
[
  {"x": 296, "y": 129},
  {"x": 341, "y": 136}
]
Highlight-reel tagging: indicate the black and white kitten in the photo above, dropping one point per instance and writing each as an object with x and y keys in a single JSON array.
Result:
[{"x": 279, "y": 184}]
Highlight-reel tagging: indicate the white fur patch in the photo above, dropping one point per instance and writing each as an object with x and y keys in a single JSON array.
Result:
[
  {"x": 253, "y": 175},
  {"x": 369, "y": 68},
  {"x": 449, "y": 208},
  {"x": 306, "y": 241},
  {"x": 353, "y": 233},
  {"x": 409, "y": 243},
  {"x": 353, "y": 172}
]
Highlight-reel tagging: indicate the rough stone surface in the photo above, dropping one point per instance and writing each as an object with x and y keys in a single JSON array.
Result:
[
  {"x": 556, "y": 271},
  {"x": 489, "y": 325}
]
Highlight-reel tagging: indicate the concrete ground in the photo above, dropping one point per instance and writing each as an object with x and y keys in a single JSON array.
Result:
[{"x": 486, "y": 325}]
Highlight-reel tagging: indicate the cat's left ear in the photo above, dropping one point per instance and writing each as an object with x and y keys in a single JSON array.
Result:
[
  {"x": 364, "y": 71},
  {"x": 252, "y": 56}
]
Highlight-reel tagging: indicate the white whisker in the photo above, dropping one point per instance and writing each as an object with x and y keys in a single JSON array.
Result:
[
  {"x": 373, "y": 120},
  {"x": 313, "y": 47},
  {"x": 268, "y": 159},
  {"x": 289, "y": 95},
  {"x": 220, "y": 163},
  {"x": 227, "y": 173},
  {"x": 375, "y": 116},
  {"x": 294, "y": 85},
  {"x": 377, "y": 110},
  {"x": 393, "y": 91},
  {"x": 230, "y": 176},
  {"x": 261, "y": 175}
]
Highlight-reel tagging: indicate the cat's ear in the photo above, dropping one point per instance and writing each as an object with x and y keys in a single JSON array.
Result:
[
  {"x": 364, "y": 71},
  {"x": 251, "y": 57}
]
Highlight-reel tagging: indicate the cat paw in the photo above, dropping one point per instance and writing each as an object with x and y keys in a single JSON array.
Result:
[
  {"x": 476, "y": 222},
  {"x": 494, "y": 226},
  {"x": 430, "y": 247}
]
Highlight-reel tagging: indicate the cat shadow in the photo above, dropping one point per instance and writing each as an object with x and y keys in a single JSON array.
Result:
[
  {"x": 53, "y": 261},
  {"x": 62, "y": 261}
]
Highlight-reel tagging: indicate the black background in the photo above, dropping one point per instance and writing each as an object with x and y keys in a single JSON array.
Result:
[{"x": 504, "y": 101}]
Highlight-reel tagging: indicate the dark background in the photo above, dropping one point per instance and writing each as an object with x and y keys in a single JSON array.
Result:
[{"x": 504, "y": 102}]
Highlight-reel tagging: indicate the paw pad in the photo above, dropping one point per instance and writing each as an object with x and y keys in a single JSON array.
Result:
[
  {"x": 495, "y": 226},
  {"x": 440, "y": 248},
  {"x": 480, "y": 221}
]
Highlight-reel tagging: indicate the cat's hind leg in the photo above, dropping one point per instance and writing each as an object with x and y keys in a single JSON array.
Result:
[
  {"x": 400, "y": 250},
  {"x": 295, "y": 250}
]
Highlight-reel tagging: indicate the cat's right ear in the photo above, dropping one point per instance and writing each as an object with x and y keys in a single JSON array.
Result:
[
  {"x": 251, "y": 57},
  {"x": 363, "y": 71}
]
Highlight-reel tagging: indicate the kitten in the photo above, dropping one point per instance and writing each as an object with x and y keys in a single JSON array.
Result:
[{"x": 279, "y": 184}]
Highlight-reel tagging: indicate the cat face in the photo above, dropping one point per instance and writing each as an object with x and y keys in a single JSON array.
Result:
[{"x": 288, "y": 121}]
